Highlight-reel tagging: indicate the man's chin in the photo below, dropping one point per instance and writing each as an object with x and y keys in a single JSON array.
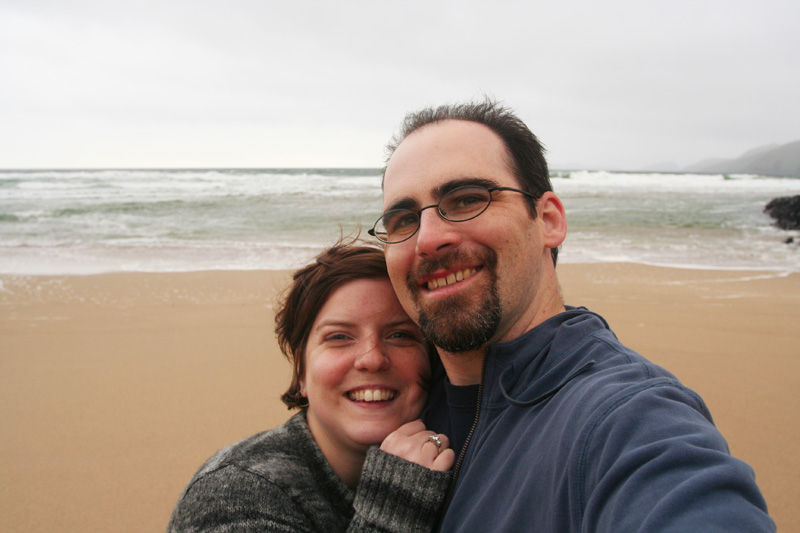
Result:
[
  {"x": 453, "y": 327},
  {"x": 464, "y": 321}
]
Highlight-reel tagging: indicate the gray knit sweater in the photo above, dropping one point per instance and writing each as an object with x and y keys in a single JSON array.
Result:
[{"x": 280, "y": 481}]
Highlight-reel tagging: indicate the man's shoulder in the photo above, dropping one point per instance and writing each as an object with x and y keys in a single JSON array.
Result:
[
  {"x": 615, "y": 370},
  {"x": 617, "y": 385},
  {"x": 591, "y": 369},
  {"x": 585, "y": 338}
]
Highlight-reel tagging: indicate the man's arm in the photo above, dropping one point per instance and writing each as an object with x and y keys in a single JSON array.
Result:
[{"x": 655, "y": 462}]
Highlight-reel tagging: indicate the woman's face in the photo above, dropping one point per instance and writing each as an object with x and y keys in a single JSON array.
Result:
[{"x": 365, "y": 365}]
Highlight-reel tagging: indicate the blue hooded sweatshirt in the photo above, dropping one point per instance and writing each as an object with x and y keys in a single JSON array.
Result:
[{"x": 576, "y": 432}]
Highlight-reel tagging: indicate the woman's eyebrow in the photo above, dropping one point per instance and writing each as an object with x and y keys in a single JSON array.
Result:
[
  {"x": 401, "y": 322},
  {"x": 335, "y": 323}
]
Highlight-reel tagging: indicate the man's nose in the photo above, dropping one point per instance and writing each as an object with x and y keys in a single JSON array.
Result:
[
  {"x": 435, "y": 234},
  {"x": 373, "y": 358}
]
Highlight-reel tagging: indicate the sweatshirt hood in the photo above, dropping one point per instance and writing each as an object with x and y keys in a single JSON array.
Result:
[{"x": 533, "y": 367}]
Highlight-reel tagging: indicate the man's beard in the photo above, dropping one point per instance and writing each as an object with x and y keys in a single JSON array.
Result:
[{"x": 454, "y": 325}]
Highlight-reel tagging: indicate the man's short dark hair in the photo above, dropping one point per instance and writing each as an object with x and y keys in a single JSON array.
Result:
[{"x": 525, "y": 154}]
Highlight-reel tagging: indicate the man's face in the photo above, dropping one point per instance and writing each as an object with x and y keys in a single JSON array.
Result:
[{"x": 465, "y": 283}]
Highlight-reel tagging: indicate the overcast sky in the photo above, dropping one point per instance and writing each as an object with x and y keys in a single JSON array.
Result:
[{"x": 258, "y": 83}]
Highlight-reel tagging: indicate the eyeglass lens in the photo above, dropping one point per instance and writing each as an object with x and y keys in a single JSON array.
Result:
[{"x": 457, "y": 205}]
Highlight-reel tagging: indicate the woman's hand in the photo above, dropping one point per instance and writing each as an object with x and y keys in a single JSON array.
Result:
[{"x": 414, "y": 443}]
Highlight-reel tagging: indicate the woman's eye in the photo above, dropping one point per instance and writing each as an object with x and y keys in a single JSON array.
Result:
[
  {"x": 403, "y": 335},
  {"x": 336, "y": 337}
]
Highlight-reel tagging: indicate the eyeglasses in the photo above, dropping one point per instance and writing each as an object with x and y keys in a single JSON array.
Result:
[{"x": 459, "y": 205}]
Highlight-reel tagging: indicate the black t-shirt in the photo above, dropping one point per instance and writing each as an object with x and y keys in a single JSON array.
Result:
[{"x": 452, "y": 412}]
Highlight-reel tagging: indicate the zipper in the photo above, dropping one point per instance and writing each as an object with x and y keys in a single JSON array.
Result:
[{"x": 457, "y": 467}]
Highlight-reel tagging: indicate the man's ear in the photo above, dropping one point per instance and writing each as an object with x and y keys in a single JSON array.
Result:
[{"x": 554, "y": 219}]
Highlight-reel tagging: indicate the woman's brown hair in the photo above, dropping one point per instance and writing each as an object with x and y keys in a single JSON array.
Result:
[{"x": 311, "y": 286}]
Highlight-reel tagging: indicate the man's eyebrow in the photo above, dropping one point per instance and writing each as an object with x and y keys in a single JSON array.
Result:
[
  {"x": 403, "y": 203},
  {"x": 440, "y": 190},
  {"x": 445, "y": 188}
]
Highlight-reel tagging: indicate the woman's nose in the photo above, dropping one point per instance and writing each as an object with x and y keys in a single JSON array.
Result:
[{"x": 373, "y": 358}]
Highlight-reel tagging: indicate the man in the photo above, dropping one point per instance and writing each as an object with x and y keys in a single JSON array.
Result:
[{"x": 559, "y": 426}]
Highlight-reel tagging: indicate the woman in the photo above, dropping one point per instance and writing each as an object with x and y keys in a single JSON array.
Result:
[{"x": 360, "y": 373}]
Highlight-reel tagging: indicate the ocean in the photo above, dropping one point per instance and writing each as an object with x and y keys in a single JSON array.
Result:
[{"x": 94, "y": 221}]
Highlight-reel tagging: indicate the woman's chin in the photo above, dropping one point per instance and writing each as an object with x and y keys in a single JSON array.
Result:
[{"x": 371, "y": 435}]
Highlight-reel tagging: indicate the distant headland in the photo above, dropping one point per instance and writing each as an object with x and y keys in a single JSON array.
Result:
[{"x": 771, "y": 160}]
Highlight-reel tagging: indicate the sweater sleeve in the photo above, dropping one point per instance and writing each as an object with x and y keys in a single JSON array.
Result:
[
  {"x": 231, "y": 499},
  {"x": 397, "y": 495}
]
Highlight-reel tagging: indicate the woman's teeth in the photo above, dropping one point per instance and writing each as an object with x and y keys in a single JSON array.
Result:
[
  {"x": 451, "y": 278},
  {"x": 371, "y": 395}
]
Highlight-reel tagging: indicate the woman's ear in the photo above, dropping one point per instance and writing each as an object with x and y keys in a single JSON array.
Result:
[{"x": 554, "y": 219}]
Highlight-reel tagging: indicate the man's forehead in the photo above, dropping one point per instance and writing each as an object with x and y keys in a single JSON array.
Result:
[{"x": 440, "y": 157}]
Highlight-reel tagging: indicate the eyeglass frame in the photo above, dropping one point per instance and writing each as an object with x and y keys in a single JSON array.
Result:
[{"x": 418, "y": 212}]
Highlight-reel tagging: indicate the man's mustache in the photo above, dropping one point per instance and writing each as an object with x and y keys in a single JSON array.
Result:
[
  {"x": 428, "y": 266},
  {"x": 455, "y": 258}
]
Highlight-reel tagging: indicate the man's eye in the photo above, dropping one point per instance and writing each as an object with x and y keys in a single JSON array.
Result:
[
  {"x": 408, "y": 219},
  {"x": 399, "y": 221},
  {"x": 466, "y": 201}
]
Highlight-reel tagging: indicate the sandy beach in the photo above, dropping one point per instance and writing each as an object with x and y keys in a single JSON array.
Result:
[{"x": 114, "y": 388}]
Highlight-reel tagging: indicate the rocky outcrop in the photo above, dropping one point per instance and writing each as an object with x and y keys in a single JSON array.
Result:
[{"x": 786, "y": 211}]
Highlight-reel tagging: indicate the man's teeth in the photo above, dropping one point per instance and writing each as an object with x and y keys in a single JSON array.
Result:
[
  {"x": 451, "y": 278},
  {"x": 371, "y": 395}
]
